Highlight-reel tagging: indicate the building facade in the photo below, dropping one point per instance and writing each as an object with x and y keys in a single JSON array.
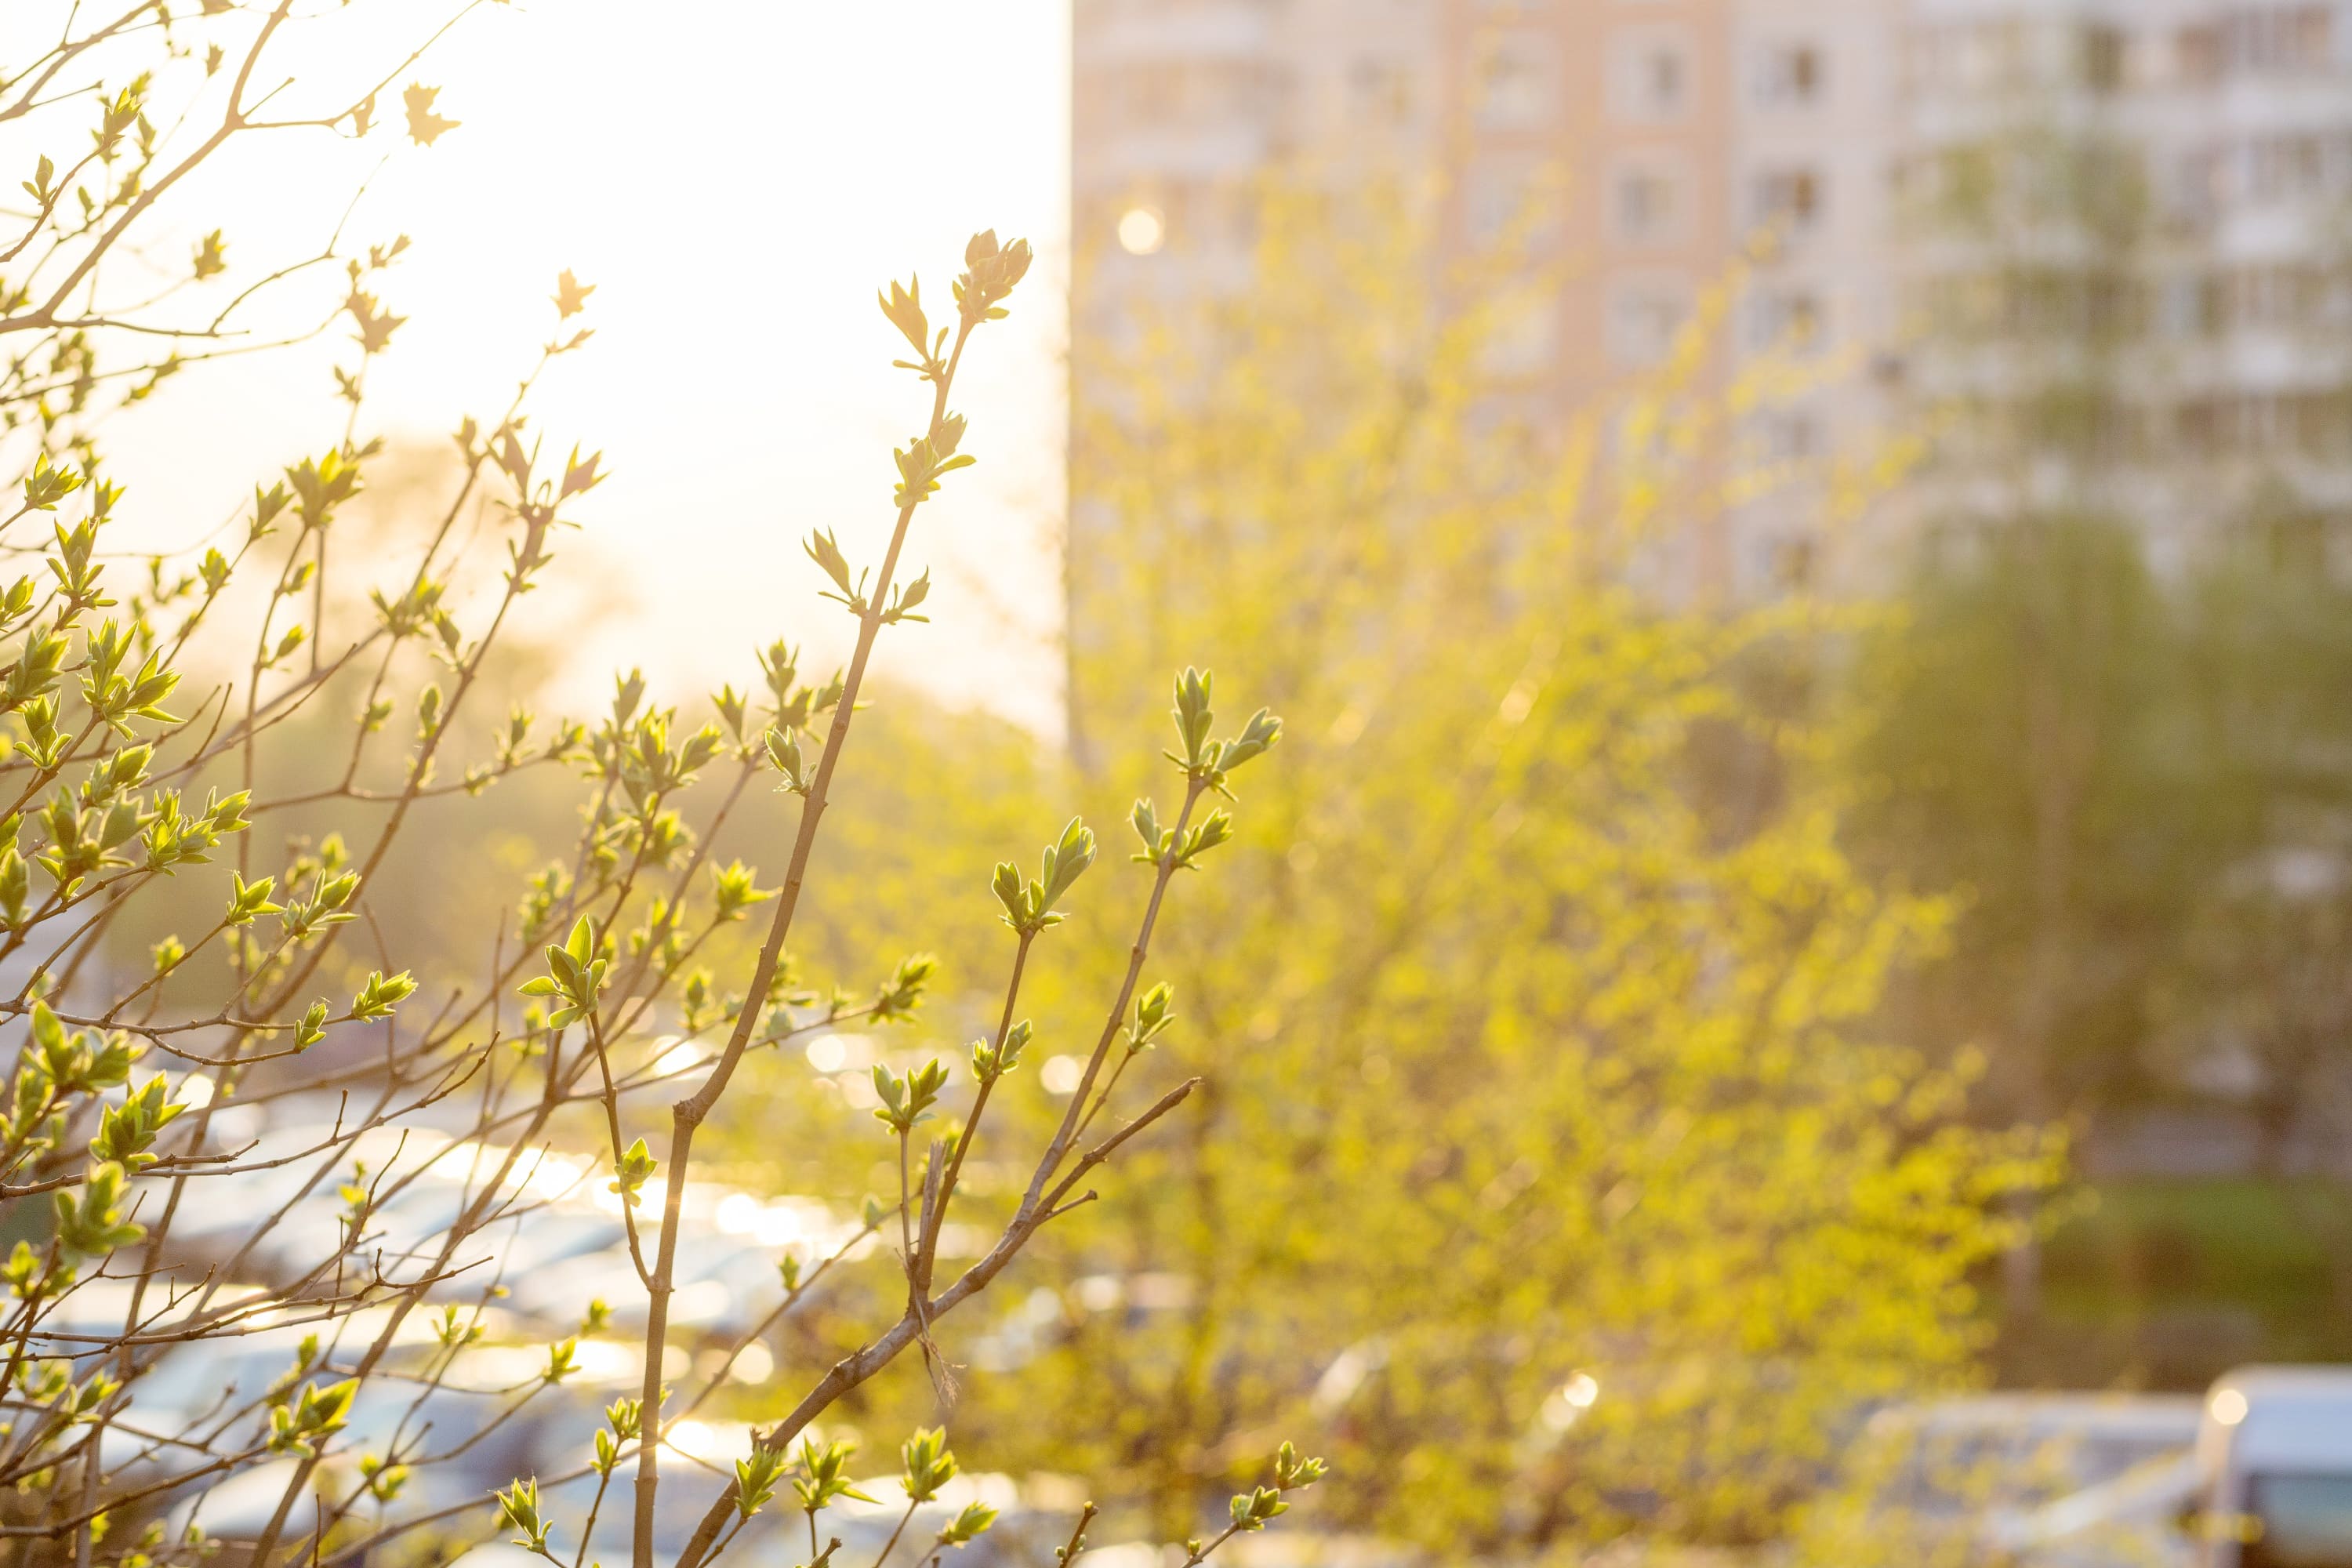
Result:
[
  {"x": 2164, "y": 210},
  {"x": 2131, "y": 220}
]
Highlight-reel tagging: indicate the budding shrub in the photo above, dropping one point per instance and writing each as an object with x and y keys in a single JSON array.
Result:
[{"x": 163, "y": 1249}]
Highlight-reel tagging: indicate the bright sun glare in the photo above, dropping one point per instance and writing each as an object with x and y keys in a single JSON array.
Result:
[
  {"x": 736, "y": 228},
  {"x": 1141, "y": 230}
]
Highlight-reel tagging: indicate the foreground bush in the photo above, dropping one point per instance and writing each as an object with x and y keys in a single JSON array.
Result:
[
  {"x": 1547, "y": 1162},
  {"x": 196, "y": 1365}
]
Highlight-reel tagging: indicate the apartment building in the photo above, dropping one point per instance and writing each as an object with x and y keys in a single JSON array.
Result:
[
  {"x": 1634, "y": 148},
  {"x": 1180, "y": 107},
  {"x": 1656, "y": 143},
  {"x": 1811, "y": 157},
  {"x": 2191, "y": 297}
]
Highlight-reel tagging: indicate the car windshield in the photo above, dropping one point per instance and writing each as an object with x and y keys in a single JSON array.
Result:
[
  {"x": 2304, "y": 1521},
  {"x": 1950, "y": 1473}
]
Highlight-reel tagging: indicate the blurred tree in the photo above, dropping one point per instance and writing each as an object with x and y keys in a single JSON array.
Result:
[
  {"x": 2015, "y": 734},
  {"x": 2101, "y": 711},
  {"x": 1554, "y": 1107},
  {"x": 2030, "y": 303},
  {"x": 2142, "y": 794},
  {"x": 2268, "y": 975}
]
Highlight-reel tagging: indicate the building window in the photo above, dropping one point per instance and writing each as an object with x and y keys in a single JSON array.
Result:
[
  {"x": 1524, "y": 339},
  {"x": 1788, "y": 436},
  {"x": 1644, "y": 315},
  {"x": 1380, "y": 93},
  {"x": 1931, "y": 58},
  {"x": 2104, "y": 53},
  {"x": 2197, "y": 54},
  {"x": 1790, "y": 76},
  {"x": 1503, "y": 197},
  {"x": 1514, "y": 79},
  {"x": 2277, "y": 39},
  {"x": 1154, "y": 93},
  {"x": 1785, "y": 319},
  {"x": 1795, "y": 561},
  {"x": 1789, "y": 202},
  {"x": 2196, "y": 187},
  {"x": 2188, "y": 306},
  {"x": 1646, "y": 203},
  {"x": 2278, "y": 296},
  {"x": 2279, "y": 168},
  {"x": 1650, "y": 76}
]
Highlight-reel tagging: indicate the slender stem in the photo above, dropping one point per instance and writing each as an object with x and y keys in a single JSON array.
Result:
[
  {"x": 1077, "y": 1543},
  {"x": 1041, "y": 1204},
  {"x": 1068, "y": 1130},
  {"x": 936, "y": 1216},
  {"x": 690, "y": 1112},
  {"x": 892, "y": 1545}
]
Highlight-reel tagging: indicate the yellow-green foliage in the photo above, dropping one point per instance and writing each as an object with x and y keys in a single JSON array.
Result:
[{"x": 1516, "y": 1065}]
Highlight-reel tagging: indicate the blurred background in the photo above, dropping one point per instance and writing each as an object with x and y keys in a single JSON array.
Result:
[{"x": 1806, "y": 549}]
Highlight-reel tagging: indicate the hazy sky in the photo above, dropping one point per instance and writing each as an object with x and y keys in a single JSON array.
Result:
[{"x": 736, "y": 177}]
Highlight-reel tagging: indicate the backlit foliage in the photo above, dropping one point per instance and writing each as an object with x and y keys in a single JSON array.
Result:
[
  {"x": 142, "y": 701},
  {"x": 1547, "y": 1165}
]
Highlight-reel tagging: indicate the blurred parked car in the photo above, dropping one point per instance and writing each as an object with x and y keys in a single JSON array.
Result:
[
  {"x": 484, "y": 1452},
  {"x": 722, "y": 1284},
  {"x": 1954, "y": 1484},
  {"x": 726, "y": 1276},
  {"x": 2275, "y": 1470}
]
